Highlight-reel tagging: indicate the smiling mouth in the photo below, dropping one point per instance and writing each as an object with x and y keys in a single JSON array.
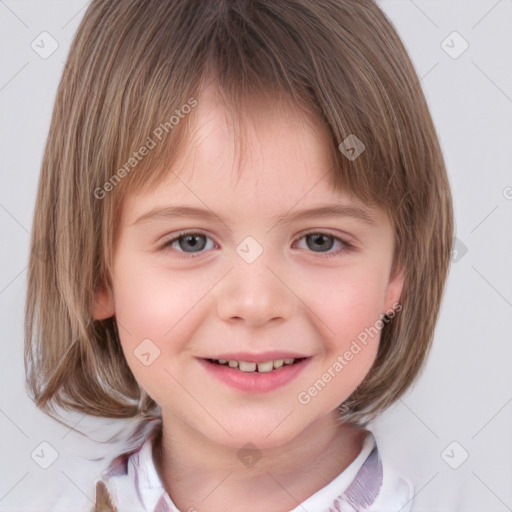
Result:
[{"x": 264, "y": 367}]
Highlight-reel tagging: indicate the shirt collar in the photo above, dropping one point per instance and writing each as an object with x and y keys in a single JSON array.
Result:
[{"x": 133, "y": 480}]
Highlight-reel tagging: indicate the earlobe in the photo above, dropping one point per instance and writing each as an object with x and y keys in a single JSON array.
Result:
[
  {"x": 103, "y": 306},
  {"x": 394, "y": 289}
]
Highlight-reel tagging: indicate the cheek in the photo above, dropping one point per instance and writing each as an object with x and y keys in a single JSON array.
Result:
[
  {"x": 347, "y": 314},
  {"x": 158, "y": 306},
  {"x": 151, "y": 302},
  {"x": 148, "y": 312},
  {"x": 349, "y": 303}
]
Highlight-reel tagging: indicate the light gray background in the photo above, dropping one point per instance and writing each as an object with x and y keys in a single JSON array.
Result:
[{"x": 464, "y": 395}]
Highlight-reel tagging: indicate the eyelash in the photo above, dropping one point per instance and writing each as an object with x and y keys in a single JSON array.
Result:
[{"x": 346, "y": 247}]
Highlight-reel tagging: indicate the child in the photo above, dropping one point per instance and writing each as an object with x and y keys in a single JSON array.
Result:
[{"x": 307, "y": 300}]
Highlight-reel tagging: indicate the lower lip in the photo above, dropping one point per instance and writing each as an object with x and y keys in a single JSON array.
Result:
[{"x": 255, "y": 382}]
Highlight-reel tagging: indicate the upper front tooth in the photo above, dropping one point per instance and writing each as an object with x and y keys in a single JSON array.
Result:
[
  {"x": 267, "y": 366},
  {"x": 246, "y": 367}
]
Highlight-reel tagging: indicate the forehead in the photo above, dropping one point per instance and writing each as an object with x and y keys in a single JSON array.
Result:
[{"x": 274, "y": 154}]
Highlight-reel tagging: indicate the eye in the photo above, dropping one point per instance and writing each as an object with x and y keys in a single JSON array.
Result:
[
  {"x": 325, "y": 242},
  {"x": 196, "y": 242}
]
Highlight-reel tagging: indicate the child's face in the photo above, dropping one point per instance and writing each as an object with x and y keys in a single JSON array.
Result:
[{"x": 205, "y": 297}]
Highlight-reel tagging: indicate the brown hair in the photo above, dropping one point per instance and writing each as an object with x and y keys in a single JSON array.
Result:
[{"x": 133, "y": 65}]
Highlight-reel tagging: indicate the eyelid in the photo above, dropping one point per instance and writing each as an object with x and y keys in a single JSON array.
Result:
[{"x": 345, "y": 237}]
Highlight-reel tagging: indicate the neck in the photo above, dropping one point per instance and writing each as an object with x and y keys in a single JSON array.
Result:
[{"x": 201, "y": 474}]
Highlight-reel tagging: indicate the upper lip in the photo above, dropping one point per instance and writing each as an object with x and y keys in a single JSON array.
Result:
[{"x": 258, "y": 358}]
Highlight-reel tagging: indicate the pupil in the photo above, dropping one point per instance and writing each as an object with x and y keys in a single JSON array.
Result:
[
  {"x": 324, "y": 245},
  {"x": 192, "y": 240}
]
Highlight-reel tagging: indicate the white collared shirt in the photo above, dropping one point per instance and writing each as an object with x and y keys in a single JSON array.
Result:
[{"x": 134, "y": 485}]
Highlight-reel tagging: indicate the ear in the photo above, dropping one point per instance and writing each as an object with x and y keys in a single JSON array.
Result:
[
  {"x": 394, "y": 289},
  {"x": 104, "y": 305}
]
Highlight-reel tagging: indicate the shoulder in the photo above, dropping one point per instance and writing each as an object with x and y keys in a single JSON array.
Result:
[
  {"x": 375, "y": 486},
  {"x": 396, "y": 492},
  {"x": 131, "y": 481}
]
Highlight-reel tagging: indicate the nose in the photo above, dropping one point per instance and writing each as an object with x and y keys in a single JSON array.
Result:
[{"x": 254, "y": 293}]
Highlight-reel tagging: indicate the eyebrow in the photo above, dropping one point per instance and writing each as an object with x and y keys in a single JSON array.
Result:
[{"x": 324, "y": 211}]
